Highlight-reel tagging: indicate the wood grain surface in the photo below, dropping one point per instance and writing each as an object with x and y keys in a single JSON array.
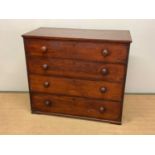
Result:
[
  {"x": 84, "y": 69},
  {"x": 77, "y": 69},
  {"x": 82, "y": 34},
  {"x": 75, "y": 87},
  {"x": 77, "y": 107},
  {"x": 88, "y": 51}
]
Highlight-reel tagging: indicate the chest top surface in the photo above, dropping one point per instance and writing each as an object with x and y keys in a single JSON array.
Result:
[{"x": 80, "y": 34}]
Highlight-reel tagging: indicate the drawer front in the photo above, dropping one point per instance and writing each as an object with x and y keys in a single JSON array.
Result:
[
  {"x": 74, "y": 87},
  {"x": 76, "y": 106},
  {"x": 77, "y": 69},
  {"x": 90, "y": 51}
]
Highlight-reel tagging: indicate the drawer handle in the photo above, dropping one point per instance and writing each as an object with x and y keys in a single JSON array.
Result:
[
  {"x": 102, "y": 109},
  {"x": 103, "y": 89},
  {"x": 47, "y": 102},
  {"x": 45, "y": 66},
  {"x": 104, "y": 71},
  {"x": 44, "y": 48},
  {"x": 46, "y": 84},
  {"x": 105, "y": 52}
]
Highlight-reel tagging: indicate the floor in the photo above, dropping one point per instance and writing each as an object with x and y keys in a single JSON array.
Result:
[{"x": 15, "y": 118}]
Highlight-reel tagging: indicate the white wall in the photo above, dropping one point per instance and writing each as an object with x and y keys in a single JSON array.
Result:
[{"x": 141, "y": 69}]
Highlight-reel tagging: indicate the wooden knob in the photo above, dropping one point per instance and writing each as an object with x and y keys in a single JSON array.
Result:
[
  {"x": 105, "y": 52},
  {"x": 45, "y": 66},
  {"x": 102, "y": 109},
  {"x": 46, "y": 84},
  {"x": 103, "y": 89},
  {"x": 104, "y": 71},
  {"x": 44, "y": 48},
  {"x": 47, "y": 102}
]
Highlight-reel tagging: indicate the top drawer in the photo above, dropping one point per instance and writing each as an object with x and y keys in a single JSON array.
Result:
[{"x": 80, "y": 50}]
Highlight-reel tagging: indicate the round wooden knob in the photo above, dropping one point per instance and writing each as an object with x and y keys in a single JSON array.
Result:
[
  {"x": 104, "y": 71},
  {"x": 46, "y": 84},
  {"x": 105, "y": 52},
  {"x": 103, "y": 89},
  {"x": 44, "y": 48},
  {"x": 102, "y": 109},
  {"x": 48, "y": 102},
  {"x": 45, "y": 66}
]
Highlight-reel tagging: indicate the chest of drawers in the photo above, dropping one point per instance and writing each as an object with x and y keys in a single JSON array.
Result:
[{"x": 77, "y": 73}]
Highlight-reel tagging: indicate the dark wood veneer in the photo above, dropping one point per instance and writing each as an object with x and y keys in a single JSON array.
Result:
[
  {"x": 77, "y": 106},
  {"x": 77, "y": 69},
  {"x": 78, "y": 73},
  {"x": 76, "y": 87},
  {"x": 87, "y": 51},
  {"x": 80, "y": 34}
]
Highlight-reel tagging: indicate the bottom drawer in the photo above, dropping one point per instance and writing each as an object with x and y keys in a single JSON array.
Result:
[{"x": 88, "y": 108}]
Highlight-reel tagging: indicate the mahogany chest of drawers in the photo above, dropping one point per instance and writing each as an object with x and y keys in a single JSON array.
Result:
[{"x": 78, "y": 73}]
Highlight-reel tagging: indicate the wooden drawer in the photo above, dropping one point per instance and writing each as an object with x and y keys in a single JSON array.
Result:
[
  {"x": 76, "y": 87},
  {"x": 96, "y": 109},
  {"x": 77, "y": 69},
  {"x": 81, "y": 50}
]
